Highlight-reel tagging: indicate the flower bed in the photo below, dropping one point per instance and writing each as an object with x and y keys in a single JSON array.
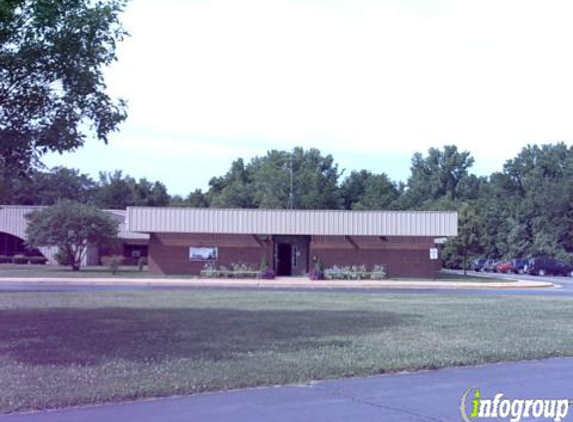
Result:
[
  {"x": 354, "y": 272},
  {"x": 237, "y": 271}
]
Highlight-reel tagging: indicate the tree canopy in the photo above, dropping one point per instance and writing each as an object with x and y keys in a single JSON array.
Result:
[
  {"x": 52, "y": 89},
  {"x": 522, "y": 210},
  {"x": 71, "y": 227}
]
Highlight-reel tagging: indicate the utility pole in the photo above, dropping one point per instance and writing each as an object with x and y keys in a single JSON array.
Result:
[{"x": 291, "y": 193}]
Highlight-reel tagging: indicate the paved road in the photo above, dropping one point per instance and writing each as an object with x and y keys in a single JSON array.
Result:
[
  {"x": 564, "y": 288},
  {"x": 564, "y": 285},
  {"x": 420, "y": 396}
]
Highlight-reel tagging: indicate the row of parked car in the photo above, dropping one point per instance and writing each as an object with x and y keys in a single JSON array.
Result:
[{"x": 535, "y": 266}]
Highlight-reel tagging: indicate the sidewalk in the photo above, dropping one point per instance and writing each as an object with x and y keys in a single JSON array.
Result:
[
  {"x": 289, "y": 282},
  {"x": 418, "y": 396}
]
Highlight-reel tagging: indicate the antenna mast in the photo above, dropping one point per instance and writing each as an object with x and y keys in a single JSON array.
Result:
[{"x": 291, "y": 194}]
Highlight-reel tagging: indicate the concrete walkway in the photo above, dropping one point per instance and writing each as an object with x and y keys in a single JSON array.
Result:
[
  {"x": 419, "y": 396},
  {"x": 290, "y": 282}
]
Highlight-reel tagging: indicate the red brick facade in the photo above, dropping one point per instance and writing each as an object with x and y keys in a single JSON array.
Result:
[
  {"x": 402, "y": 256},
  {"x": 169, "y": 254}
]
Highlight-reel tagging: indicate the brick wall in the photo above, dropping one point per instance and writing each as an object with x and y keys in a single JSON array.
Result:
[
  {"x": 169, "y": 256},
  {"x": 398, "y": 262}
]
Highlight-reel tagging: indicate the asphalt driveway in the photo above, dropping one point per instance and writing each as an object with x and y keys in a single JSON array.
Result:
[{"x": 420, "y": 396}]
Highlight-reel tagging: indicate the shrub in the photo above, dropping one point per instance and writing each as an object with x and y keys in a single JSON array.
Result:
[
  {"x": 4, "y": 259},
  {"x": 38, "y": 260},
  {"x": 244, "y": 270},
  {"x": 209, "y": 270},
  {"x": 264, "y": 263},
  {"x": 378, "y": 272},
  {"x": 318, "y": 272},
  {"x": 20, "y": 259},
  {"x": 112, "y": 262},
  {"x": 237, "y": 270},
  {"x": 267, "y": 275},
  {"x": 354, "y": 272},
  {"x": 141, "y": 262},
  {"x": 63, "y": 258}
]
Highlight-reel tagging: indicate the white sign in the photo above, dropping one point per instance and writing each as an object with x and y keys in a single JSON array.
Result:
[
  {"x": 433, "y": 253},
  {"x": 202, "y": 254}
]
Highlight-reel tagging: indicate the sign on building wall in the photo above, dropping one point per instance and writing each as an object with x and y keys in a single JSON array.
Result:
[
  {"x": 202, "y": 254},
  {"x": 433, "y": 253}
]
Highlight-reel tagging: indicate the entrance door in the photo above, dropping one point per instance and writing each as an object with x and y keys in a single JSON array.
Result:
[{"x": 284, "y": 252}]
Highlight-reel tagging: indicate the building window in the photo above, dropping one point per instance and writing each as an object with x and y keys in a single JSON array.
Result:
[
  {"x": 203, "y": 254},
  {"x": 295, "y": 256}
]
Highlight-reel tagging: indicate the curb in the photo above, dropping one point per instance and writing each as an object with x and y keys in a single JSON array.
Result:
[{"x": 291, "y": 284}]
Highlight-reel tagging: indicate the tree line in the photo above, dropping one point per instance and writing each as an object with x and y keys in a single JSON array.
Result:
[{"x": 523, "y": 210}]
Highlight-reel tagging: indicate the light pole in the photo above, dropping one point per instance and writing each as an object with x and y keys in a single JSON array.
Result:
[{"x": 291, "y": 194}]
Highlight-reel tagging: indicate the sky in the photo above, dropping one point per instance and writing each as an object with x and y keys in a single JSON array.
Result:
[{"x": 369, "y": 81}]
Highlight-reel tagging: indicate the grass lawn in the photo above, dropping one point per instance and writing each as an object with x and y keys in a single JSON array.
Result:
[
  {"x": 54, "y": 271},
  {"x": 60, "y": 349}
]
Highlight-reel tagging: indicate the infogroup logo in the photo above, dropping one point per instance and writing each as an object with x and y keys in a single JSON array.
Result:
[{"x": 474, "y": 407}]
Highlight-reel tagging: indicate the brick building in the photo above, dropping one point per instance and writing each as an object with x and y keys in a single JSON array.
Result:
[{"x": 183, "y": 240}]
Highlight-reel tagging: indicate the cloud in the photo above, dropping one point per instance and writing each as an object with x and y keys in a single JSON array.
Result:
[{"x": 357, "y": 77}]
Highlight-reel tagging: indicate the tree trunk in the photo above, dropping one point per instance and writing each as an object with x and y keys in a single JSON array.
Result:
[{"x": 76, "y": 265}]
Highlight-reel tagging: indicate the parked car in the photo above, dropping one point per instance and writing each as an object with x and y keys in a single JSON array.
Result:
[
  {"x": 490, "y": 264},
  {"x": 477, "y": 264},
  {"x": 503, "y": 267},
  {"x": 548, "y": 266},
  {"x": 519, "y": 266}
]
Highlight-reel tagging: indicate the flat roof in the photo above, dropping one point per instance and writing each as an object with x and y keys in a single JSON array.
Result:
[{"x": 293, "y": 222}]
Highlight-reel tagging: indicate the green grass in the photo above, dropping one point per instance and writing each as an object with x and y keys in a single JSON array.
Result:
[
  {"x": 60, "y": 349},
  {"x": 54, "y": 271},
  {"x": 445, "y": 276}
]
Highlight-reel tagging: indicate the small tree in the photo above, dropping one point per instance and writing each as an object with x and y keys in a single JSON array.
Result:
[
  {"x": 468, "y": 239},
  {"x": 72, "y": 227}
]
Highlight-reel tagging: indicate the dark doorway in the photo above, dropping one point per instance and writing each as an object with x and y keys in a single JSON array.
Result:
[{"x": 284, "y": 255}]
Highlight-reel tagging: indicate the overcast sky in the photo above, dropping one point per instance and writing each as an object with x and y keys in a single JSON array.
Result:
[{"x": 369, "y": 81}]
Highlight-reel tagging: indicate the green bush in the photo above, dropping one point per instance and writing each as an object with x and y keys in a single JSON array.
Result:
[
  {"x": 63, "y": 258},
  {"x": 38, "y": 260},
  {"x": 378, "y": 272},
  {"x": 318, "y": 272},
  {"x": 355, "y": 272},
  {"x": 237, "y": 270},
  {"x": 141, "y": 262},
  {"x": 4, "y": 259},
  {"x": 112, "y": 262},
  {"x": 20, "y": 259},
  {"x": 264, "y": 264}
]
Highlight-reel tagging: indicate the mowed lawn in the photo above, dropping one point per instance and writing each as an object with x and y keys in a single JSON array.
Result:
[{"x": 60, "y": 349}]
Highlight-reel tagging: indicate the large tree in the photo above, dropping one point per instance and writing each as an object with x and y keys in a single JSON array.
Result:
[
  {"x": 364, "y": 190},
  {"x": 265, "y": 182},
  {"x": 118, "y": 191},
  {"x": 439, "y": 176},
  {"x": 52, "y": 89},
  {"x": 48, "y": 187},
  {"x": 467, "y": 242},
  {"x": 71, "y": 227}
]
